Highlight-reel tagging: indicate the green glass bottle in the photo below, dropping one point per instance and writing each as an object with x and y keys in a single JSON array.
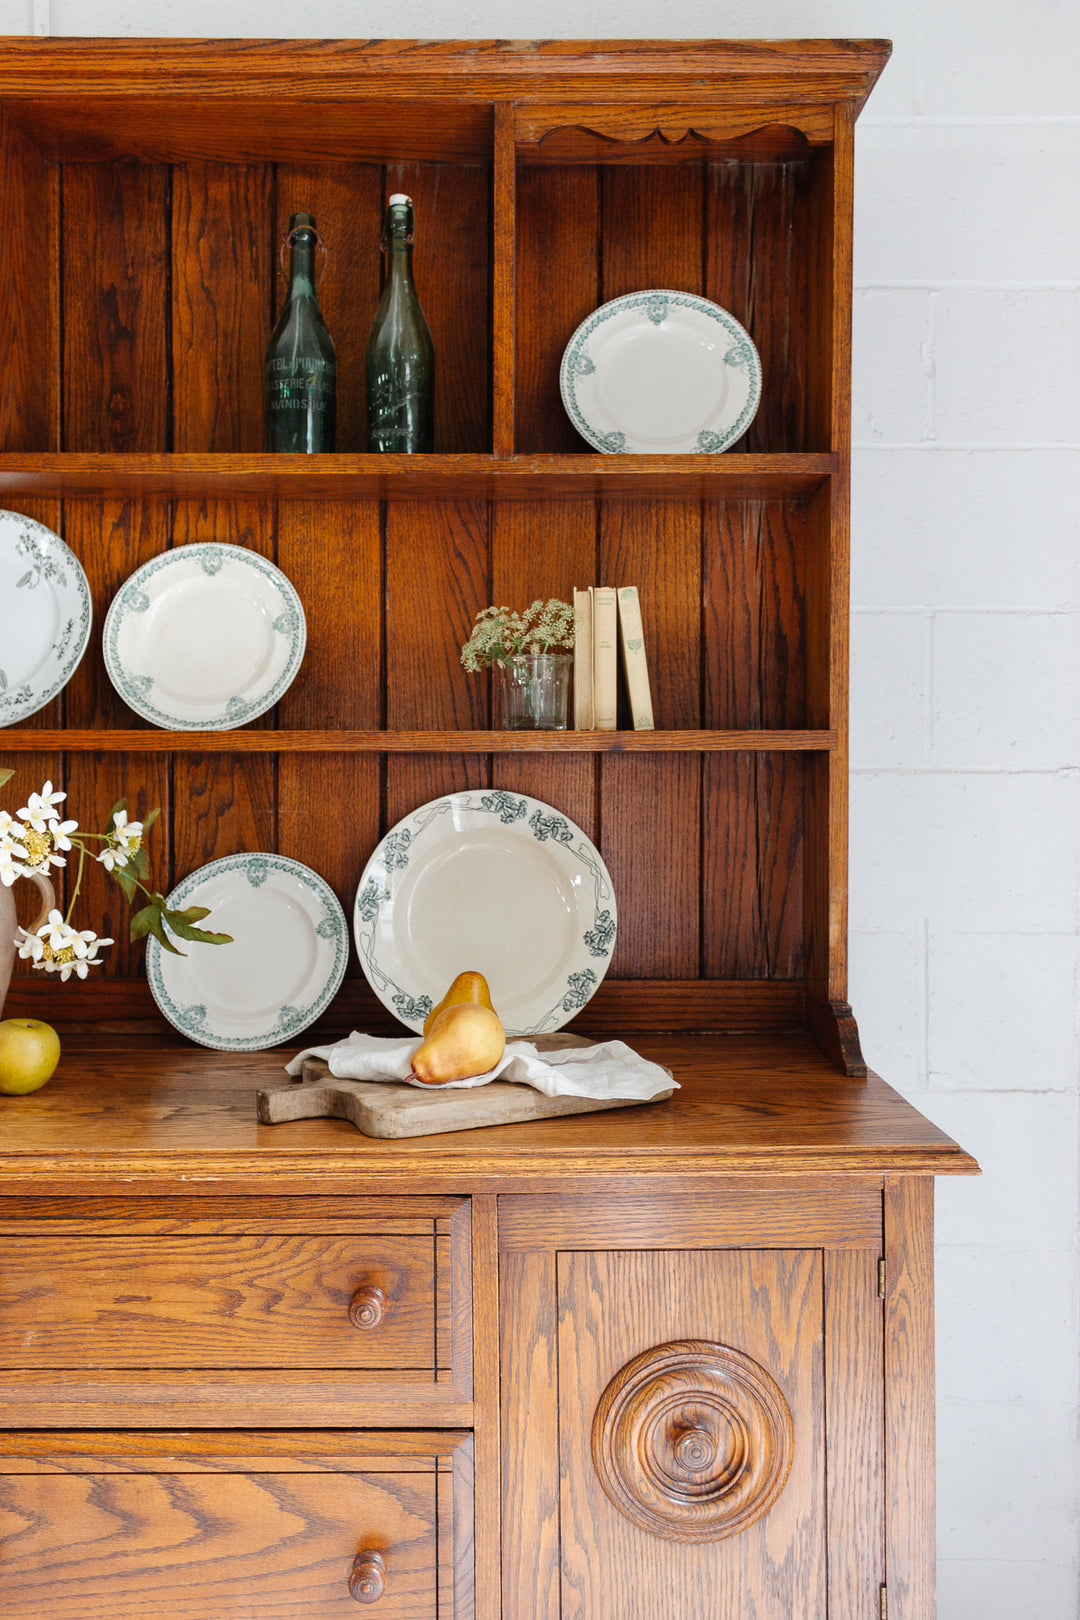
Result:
[
  {"x": 400, "y": 355},
  {"x": 301, "y": 371}
]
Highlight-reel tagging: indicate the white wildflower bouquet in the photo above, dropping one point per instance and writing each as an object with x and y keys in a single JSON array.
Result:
[
  {"x": 37, "y": 838},
  {"x": 499, "y": 634}
]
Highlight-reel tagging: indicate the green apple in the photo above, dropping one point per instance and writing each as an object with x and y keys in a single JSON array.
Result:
[{"x": 29, "y": 1052}]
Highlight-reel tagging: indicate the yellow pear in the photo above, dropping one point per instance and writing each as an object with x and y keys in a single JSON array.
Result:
[
  {"x": 466, "y": 987},
  {"x": 464, "y": 1040}
]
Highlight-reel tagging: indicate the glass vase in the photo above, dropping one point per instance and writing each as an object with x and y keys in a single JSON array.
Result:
[{"x": 531, "y": 691}]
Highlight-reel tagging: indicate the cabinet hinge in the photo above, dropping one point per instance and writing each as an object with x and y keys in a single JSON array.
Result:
[
  {"x": 881, "y": 1295},
  {"x": 883, "y": 1602}
]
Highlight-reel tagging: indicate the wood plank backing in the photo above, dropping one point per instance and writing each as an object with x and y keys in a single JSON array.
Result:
[
  {"x": 222, "y": 228},
  {"x": 651, "y": 236},
  {"x": 112, "y": 539},
  {"x": 755, "y": 675},
  {"x": 546, "y": 550},
  {"x": 328, "y": 550},
  {"x": 347, "y": 202},
  {"x": 437, "y": 579},
  {"x": 29, "y": 295},
  {"x": 558, "y": 284},
  {"x": 756, "y": 253},
  {"x": 452, "y": 270},
  {"x": 115, "y": 307},
  {"x": 909, "y": 1397},
  {"x": 855, "y": 1439}
]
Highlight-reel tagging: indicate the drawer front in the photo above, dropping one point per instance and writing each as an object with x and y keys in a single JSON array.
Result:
[
  {"x": 282, "y": 1534},
  {"x": 246, "y": 1300}
]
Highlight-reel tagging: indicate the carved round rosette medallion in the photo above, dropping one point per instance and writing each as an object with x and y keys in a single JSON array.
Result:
[{"x": 692, "y": 1441}]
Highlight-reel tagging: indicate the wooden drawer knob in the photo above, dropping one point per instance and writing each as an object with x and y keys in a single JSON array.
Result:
[
  {"x": 367, "y": 1583},
  {"x": 367, "y": 1306}
]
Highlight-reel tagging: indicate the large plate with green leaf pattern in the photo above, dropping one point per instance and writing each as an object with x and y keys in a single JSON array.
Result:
[
  {"x": 489, "y": 882},
  {"x": 286, "y": 963},
  {"x": 204, "y": 637},
  {"x": 660, "y": 372},
  {"x": 45, "y": 615}
]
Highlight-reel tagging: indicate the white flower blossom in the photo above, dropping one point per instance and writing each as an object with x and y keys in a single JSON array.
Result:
[
  {"x": 30, "y": 945},
  {"x": 128, "y": 834},
  {"x": 40, "y": 808},
  {"x": 58, "y": 832},
  {"x": 10, "y": 865},
  {"x": 110, "y": 857},
  {"x": 59, "y": 948}
]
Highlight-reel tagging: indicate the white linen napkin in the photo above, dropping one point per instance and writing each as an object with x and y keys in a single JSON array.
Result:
[{"x": 611, "y": 1069}]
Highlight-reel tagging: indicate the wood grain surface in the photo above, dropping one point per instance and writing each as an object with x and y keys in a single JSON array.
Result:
[
  {"x": 237, "y": 1301},
  {"x": 413, "y": 478},
  {"x": 909, "y": 1397},
  {"x": 855, "y": 1441},
  {"x": 748, "y": 1104},
  {"x": 275, "y": 1545},
  {"x": 765, "y": 1304}
]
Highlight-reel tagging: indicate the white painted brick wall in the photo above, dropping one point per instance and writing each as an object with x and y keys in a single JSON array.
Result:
[{"x": 966, "y": 586}]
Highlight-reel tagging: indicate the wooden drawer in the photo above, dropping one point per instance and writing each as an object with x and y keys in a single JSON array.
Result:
[
  {"x": 245, "y": 1300},
  {"x": 173, "y": 1311},
  {"x": 120, "y": 1527}
]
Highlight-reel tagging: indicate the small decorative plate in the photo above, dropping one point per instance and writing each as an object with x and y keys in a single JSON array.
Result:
[
  {"x": 284, "y": 967},
  {"x": 661, "y": 372},
  {"x": 45, "y": 616},
  {"x": 493, "y": 882},
  {"x": 204, "y": 638}
]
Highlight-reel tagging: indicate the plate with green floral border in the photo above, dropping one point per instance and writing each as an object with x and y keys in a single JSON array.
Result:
[
  {"x": 285, "y": 965},
  {"x": 489, "y": 882},
  {"x": 45, "y": 615},
  {"x": 204, "y": 637},
  {"x": 660, "y": 372}
]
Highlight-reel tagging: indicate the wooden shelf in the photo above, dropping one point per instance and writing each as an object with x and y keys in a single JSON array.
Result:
[
  {"x": 153, "y": 741},
  {"x": 437, "y": 477}
]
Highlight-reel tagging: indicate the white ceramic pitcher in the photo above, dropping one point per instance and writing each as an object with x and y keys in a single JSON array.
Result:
[{"x": 9, "y": 922}]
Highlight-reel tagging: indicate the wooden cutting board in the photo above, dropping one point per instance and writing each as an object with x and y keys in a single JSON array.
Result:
[{"x": 383, "y": 1108}]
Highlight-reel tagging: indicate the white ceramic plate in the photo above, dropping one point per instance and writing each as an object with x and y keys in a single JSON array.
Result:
[
  {"x": 45, "y": 616},
  {"x": 286, "y": 963},
  {"x": 661, "y": 372},
  {"x": 204, "y": 638},
  {"x": 491, "y": 882}
]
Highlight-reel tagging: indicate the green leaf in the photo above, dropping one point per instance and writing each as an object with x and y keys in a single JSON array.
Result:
[
  {"x": 183, "y": 925},
  {"x": 149, "y": 819},
  {"x": 157, "y": 928},
  {"x": 139, "y": 863},
  {"x": 5, "y": 775},
  {"x": 126, "y": 882},
  {"x": 192, "y": 913},
  {"x": 142, "y": 920}
]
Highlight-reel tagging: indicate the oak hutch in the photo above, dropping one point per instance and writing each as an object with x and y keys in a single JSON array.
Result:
[{"x": 661, "y": 1364}]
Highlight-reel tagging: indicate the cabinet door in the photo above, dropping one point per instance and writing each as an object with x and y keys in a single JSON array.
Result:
[
  {"x": 691, "y": 1435},
  {"x": 181, "y": 1530}
]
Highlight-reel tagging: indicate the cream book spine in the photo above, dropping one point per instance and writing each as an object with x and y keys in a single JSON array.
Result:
[
  {"x": 635, "y": 662},
  {"x": 583, "y": 657},
  {"x": 605, "y": 666}
]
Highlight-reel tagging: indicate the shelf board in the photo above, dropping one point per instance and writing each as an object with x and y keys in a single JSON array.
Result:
[
  {"x": 449, "y": 477},
  {"x": 152, "y": 741}
]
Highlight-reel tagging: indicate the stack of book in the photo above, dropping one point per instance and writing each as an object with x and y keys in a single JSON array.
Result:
[{"x": 596, "y": 659}]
